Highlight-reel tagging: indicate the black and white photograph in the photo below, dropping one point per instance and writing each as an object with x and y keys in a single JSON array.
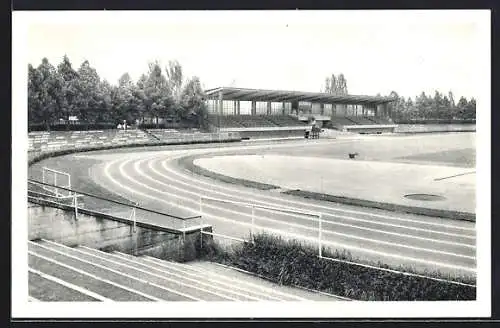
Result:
[{"x": 238, "y": 164}]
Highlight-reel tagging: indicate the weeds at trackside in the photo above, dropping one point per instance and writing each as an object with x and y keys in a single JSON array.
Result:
[{"x": 288, "y": 262}]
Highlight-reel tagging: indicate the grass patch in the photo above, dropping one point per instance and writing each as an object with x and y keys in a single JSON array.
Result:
[
  {"x": 188, "y": 163},
  {"x": 290, "y": 262}
]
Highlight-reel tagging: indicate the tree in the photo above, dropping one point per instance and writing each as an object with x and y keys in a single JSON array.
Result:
[
  {"x": 44, "y": 93},
  {"x": 159, "y": 100},
  {"x": 175, "y": 79},
  {"x": 193, "y": 102},
  {"x": 70, "y": 92},
  {"x": 341, "y": 85},
  {"x": 336, "y": 85},
  {"x": 87, "y": 99}
]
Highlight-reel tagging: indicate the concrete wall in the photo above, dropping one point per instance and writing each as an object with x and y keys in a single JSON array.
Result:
[
  {"x": 60, "y": 140},
  {"x": 426, "y": 128},
  {"x": 104, "y": 233}
]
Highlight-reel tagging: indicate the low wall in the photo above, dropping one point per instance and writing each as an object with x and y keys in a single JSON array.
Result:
[
  {"x": 369, "y": 128},
  {"x": 81, "y": 140},
  {"x": 273, "y": 134},
  {"x": 108, "y": 233},
  {"x": 428, "y": 128},
  {"x": 37, "y": 154}
]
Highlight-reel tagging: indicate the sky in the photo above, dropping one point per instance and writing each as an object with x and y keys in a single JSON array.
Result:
[{"x": 377, "y": 51}]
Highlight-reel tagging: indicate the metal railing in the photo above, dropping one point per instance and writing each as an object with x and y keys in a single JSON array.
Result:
[
  {"x": 81, "y": 201},
  {"x": 253, "y": 227}
]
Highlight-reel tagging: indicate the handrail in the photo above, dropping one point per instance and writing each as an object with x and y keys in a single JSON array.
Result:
[
  {"x": 274, "y": 208},
  {"x": 114, "y": 201}
]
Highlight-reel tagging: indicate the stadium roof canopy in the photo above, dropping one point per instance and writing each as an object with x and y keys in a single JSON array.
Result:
[{"x": 229, "y": 93}]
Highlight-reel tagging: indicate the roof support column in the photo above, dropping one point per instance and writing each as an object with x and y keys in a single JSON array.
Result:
[
  {"x": 237, "y": 105},
  {"x": 254, "y": 108},
  {"x": 219, "y": 109},
  {"x": 322, "y": 107},
  {"x": 268, "y": 108},
  {"x": 283, "y": 107}
]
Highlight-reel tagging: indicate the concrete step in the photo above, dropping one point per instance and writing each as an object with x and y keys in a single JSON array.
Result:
[
  {"x": 82, "y": 279},
  {"x": 227, "y": 271},
  {"x": 170, "y": 283},
  {"x": 205, "y": 292},
  {"x": 273, "y": 291},
  {"x": 46, "y": 290},
  {"x": 232, "y": 290},
  {"x": 69, "y": 256}
]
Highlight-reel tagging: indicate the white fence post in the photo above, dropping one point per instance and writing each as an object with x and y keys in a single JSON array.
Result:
[
  {"x": 201, "y": 222},
  {"x": 319, "y": 237},
  {"x": 55, "y": 184},
  {"x": 75, "y": 202},
  {"x": 252, "y": 231}
]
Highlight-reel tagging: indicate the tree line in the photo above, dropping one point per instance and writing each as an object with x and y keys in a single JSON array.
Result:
[
  {"x": 56, "y": 94},
  {"x": 426, "y": 107},
  {"x": 422, "y": 107}
]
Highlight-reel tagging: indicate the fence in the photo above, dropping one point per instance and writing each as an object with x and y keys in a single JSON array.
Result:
[
  {"x": 79, "y": 201},
  {"x": 314, "y": 218},
  {"x": 252, "y": 209}
]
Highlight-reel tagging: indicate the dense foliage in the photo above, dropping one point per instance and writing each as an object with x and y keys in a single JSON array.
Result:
[
  {"x": 291, "y": 263},
  {"x": 440, "y": 108},
  {"x": 423, "y": 107},
  {"x": 80, "y": 96}
]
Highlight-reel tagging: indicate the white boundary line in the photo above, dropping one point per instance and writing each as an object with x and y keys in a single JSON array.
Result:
[
  {"x": 140, "y": 270},
  {"x": 115, "y": 271},
  {"x": 324, "y": 213},
  {"x": 152, "y": 298},
  {"x": 70, "y": 286},
  {"x": 282, "y": 232},
  {"x": 32, "y": 299},
  {"x": 137, "y": 163},
  {"x": 200, "y": 181}
]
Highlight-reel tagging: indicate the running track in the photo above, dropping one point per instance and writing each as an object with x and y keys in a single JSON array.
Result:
[{"x": 156, "y": 181}]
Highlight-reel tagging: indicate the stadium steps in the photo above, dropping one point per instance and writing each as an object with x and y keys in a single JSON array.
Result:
[
  {"x": 63, "y": 273},
  {"x": 228, "y": 272},
  {"x": 44, "y": 288},
  {"x": 123, "y": 277},
  {"x": 72, "y": 275},
  {"x": 175, "y": 280},
  {"x": 232, "y": 285}
]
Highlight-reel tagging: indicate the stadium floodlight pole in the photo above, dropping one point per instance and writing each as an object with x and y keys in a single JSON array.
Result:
[{"x": 319, "y": 238}]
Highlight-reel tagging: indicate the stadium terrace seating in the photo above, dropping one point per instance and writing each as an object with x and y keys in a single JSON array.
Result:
[
  {"x": 228, "y": 121},
  {"x": 360, "y": 120},
  {"x": 285, "y": 120},
  {"x": 340, "y": 121},
  {"x": 161, "y": 134},
  {"x": 61, "y": 273},
  {"x": 381, "y": 120},
  {"x": 252, "y": 121},
  {"x": 57, "y": 140}
]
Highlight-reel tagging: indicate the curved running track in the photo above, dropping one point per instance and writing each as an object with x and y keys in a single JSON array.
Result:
[{"x": 156, "y": 181}]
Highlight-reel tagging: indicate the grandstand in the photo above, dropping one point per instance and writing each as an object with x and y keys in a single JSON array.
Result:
[{"x": 254, "y": 112}]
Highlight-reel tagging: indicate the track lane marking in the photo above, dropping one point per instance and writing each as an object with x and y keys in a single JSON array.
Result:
[
  {"x": 124, "y": 174},
  {"x": 331, "y": 215},
  {"x": 219, "y": 185}
]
